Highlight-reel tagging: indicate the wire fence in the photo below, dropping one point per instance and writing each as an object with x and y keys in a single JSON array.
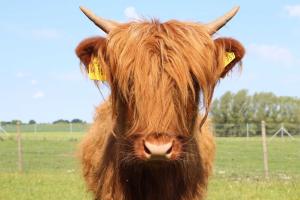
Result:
[
  {"x": 220, "y": 130},
  {"x": 39, "y": 153},
  {"x": 39, "y": 128},
  {"x": 254, "y": 129},
  {"x": 52, "y": 148}
]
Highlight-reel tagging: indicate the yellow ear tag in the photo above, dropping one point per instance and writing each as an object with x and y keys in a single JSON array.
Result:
[
  {"x": 95, "y": 71},
  {"x": 229, "y": 57}
]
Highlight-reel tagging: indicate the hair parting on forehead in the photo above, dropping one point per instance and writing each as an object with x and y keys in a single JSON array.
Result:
[{"x": 152, "y": 63}]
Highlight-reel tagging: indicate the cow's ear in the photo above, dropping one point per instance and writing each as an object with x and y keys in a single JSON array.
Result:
[
  {"x": 229, "y": 53},
  {"x": 90, "y": 49}
]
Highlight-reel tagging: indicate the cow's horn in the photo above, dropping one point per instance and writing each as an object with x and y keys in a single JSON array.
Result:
[
  {"x": 104, "y": 24},
  {"x": 221, "y": 21}
]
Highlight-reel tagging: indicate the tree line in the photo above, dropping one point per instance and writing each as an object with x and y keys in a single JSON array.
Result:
[
  {"x": 233, "y": 111},
  {"x": 59, "y": 121},
  {"x": 235, "y": 114}
]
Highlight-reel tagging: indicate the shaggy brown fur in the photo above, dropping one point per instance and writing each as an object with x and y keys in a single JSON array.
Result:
[{"x": 158, "y": 74}]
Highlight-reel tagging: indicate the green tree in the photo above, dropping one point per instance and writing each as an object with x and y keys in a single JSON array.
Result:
[
  {"x": 32, "y": 121},
  {"x": 79, "y": 121},
  {"x": 61, "y": 121},
  {"x": 15, "y": 121},
  {"x": 232, "y": 111}
]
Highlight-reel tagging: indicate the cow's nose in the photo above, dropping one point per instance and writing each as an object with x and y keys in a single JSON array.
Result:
[{"x": 158, "y": 151}]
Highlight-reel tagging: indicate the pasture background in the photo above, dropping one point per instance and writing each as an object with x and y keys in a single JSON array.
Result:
[{"x": 51, "y": 170}]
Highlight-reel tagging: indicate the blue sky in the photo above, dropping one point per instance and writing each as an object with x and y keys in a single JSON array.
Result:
[{"x": 40, "y": 75}]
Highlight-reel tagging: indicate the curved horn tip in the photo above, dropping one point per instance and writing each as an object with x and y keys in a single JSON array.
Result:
[
  {"x": 105, "y": 25},
  {"x": 85, "y": 10},
  {"x": 82, "y": 8},
  {"x": 221, "y": 21},
  {"x": 235, "y": 9}
]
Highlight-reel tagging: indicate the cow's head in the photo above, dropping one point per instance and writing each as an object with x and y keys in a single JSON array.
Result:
[{"x": 159, "y": 73}]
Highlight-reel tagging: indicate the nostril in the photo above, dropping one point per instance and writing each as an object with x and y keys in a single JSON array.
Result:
[
  {"x": 169, "y": 150},
  {"x": 146, "y": 149}
]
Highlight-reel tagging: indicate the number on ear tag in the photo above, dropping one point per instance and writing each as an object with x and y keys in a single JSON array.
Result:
[
  {"x": 95, "y": 71},
  {"x": 229, "y": 57}
]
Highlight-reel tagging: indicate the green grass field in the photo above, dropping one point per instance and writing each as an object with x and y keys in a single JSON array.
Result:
[{"x": 51, "y": 170}]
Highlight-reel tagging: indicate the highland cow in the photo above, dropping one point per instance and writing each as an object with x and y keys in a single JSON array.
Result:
[{"x": 151, "y": 140}]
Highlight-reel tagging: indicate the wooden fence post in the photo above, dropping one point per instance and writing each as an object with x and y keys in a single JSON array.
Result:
[
  {"x": 247, "y": 129},
  {"x": 20, "y": 151},
  {"x": 265, "y": 149},
  {"x": 71, "y": 127}
]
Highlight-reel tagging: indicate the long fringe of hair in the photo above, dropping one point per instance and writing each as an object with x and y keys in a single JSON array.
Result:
[{"x": 165, "y": 62}]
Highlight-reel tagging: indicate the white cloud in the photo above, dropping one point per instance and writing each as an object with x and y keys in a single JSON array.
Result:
[
  {"x": 273, "y": 53},
  {"x": 38, "y": 95},
  {"x": 45, "y": 33},
  {"x": 33, "y": 82},
  {"x": 20, "y": 75},
  {"x": 293, "y": 11},
  {"x": 131, "y": 13}
]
